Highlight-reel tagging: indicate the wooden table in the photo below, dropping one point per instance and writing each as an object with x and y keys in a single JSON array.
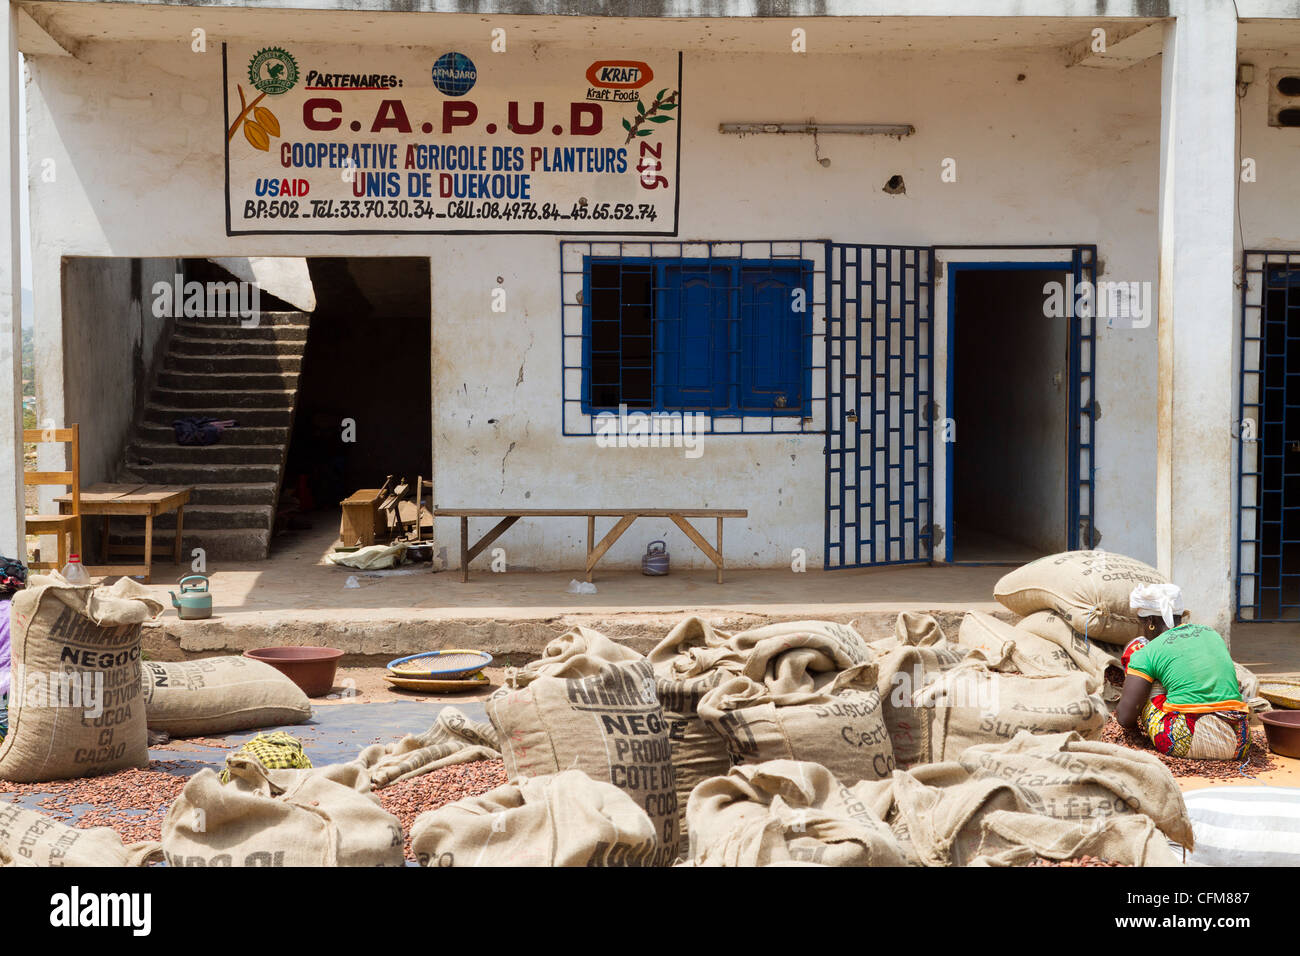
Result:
[
  {"x": 595, "y": 551},
  {"x": 122, "y": 500}
]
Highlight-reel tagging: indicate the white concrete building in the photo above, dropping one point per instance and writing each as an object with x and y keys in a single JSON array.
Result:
[{"x": 936, "y": 280}]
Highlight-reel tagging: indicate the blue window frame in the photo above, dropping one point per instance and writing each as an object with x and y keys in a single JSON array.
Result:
[{"x": 728, "y": 337}]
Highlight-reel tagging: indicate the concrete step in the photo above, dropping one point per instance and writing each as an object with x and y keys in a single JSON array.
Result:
[
  {"x": 176, "y": 474},
  {"x": 198, "y": 345},
  {"x": 227, "y": 401},
  {"x": 225, "y": 452},
  {"x": 247, "y": 494},
  {"x": 157, "y": 433},
  {"x": 263, "y": 320},
  {"x": 228, "y": 544},
  {"x": 234, "y": 332},
  {"x": 164, "y": 415},
  {"x": 209, "y": 382},
  {"x": 219, "y": 517},
  {"x": 226, "y": 364}
]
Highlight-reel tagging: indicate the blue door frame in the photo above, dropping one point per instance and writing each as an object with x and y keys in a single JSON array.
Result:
[
  {"x": 1080, "y": 504},
  {"x": 1268, "y": 461}
]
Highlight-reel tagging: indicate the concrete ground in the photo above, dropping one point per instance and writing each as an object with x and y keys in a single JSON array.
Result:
[{"x": 296, "y": 597}]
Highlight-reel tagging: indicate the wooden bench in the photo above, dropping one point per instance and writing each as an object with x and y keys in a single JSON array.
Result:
[{"x": 595, "y": 550}]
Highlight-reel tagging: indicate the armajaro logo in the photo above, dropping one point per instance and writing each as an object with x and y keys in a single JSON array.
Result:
[
  {"x": 273, "y": 71},
  {"x": 454, "y": 74}
]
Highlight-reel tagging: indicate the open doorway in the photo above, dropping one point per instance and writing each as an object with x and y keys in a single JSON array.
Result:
[
  {"x": 365, "y": 401},
  {"x": 1009, "y": 399}
]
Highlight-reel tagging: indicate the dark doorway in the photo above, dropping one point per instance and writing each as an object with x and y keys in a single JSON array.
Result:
[
  {"x": 1009, "y": 414},
  {"x": 365, "y": 401},
  {"x": 1278, "y": 527}
]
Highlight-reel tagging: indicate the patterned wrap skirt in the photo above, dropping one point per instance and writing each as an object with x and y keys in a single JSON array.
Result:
[{"x": 1223, "y": 735}]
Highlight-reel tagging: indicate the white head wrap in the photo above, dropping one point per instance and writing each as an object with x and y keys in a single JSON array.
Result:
[{"x": 1158, "y": 600}]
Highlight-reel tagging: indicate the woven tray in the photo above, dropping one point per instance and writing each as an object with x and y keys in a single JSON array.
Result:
[
  {"x": 1281, "y": 692},
  {"x": 477, "y": 681},
  {"x": 440, "y": 665}
]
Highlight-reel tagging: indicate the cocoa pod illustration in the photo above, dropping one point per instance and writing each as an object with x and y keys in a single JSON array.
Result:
[
  {"x": 266, "y": 119},
  {"x": 257, "y": 136}
]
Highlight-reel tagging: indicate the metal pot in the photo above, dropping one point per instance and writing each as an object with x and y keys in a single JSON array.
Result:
[{"x": 655, "y": 560}]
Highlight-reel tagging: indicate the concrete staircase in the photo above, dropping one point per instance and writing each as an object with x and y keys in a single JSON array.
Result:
[{"x": 215, "y": 367}]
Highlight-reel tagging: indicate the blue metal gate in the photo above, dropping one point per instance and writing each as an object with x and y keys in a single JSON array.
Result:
[
  {"x": 879, "y": 408},
  {"x": 1081, "y": 481},
  {"x": 1268, "y": 461}
]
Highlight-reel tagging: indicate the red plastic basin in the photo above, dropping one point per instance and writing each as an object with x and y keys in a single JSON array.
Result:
[
  {"x": 311, "y": 668},
  {"x": 1282, "y": 727}
]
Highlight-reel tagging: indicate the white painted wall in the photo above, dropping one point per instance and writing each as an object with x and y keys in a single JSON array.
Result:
[
  {"x": 111, "y": 342},
  {"x": 1064, "y": 155}
]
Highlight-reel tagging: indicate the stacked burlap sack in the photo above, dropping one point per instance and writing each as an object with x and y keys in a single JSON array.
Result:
[
  {"x": 802, "y": 690},
  {"x": 915, "y": 656},
  {"x": 590, "y": 704},
  {"x": 1076, "y": 618},
  {"x": 1002, "y": 804}
]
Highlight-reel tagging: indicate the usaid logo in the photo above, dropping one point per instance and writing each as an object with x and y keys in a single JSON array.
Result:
[{"x": 619, "y": 74}]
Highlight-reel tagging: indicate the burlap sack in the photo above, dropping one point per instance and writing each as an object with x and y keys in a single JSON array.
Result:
[
  {"x": 917, "y": 654},
  {"x": 698, "y": 753},
  {"x": 975, "y": 705},
  {"x": 834, "y": 719},
  {"x": 321, "y": 817},
  {"x": 1018, "y": 839},
  {"x": 28, "y": 838},
  {"x": 992, "y": 641},
  {"x": 1013, "y": 649},
  {"x": 564, "y": 819},
  {"x": 784, "y": 812},
  {"x": 942, "y": 806},
  {"x": 452, "y": 739},
  {"x": 913, "y": 629},
  {"x": 75, "y": 707},
  {"x": 218, "y": 695},
  {"x": 578, "y": 652},
  {"x": 1069, "y": 649},
  {"x": 838, "y": 647},
  {"x": 600, "y": 717},
  {"x": 1089, "y": 589}
]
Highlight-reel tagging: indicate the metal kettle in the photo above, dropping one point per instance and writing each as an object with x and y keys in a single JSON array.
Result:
[
  {"x": 195, "y": 601},
  {"x": 655, "y": 560}
]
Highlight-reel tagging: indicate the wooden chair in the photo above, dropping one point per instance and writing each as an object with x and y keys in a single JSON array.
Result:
[{"x": 62, "y": 526}]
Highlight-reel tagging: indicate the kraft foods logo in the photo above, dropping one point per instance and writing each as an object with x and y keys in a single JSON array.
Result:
[{"x": 75, "y": 909}]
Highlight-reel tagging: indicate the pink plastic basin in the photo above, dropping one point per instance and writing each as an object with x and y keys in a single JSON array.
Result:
[{"x": 311, "y": 668}]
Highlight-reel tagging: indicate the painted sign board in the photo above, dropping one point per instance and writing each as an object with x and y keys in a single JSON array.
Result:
[{"x": 342, "y": 141}]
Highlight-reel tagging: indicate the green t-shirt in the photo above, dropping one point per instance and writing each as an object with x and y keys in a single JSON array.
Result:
[{"x": 1193, "y": 663}]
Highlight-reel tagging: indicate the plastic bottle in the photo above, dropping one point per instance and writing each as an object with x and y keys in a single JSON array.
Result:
[{"x": 74, "y": 572}]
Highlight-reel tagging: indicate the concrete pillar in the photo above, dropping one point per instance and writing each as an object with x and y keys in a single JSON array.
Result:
[
  {"x": 1194, "y": 521},
  {"x": 11, "y": 333}
]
